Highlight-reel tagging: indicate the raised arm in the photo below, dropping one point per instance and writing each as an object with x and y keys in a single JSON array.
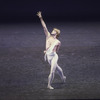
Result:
[{"x": 43, "y": 24}]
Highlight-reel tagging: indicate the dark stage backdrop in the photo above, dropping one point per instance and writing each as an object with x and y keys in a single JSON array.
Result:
[{"x": 25, "y": 10}]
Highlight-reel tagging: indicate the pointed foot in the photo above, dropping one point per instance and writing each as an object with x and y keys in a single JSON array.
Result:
[{"x": 64, "y": 79}]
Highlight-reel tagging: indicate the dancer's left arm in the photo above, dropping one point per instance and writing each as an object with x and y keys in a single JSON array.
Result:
[{"x": 58, "y": 46}]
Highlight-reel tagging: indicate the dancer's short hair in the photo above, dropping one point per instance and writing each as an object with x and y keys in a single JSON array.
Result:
[{"x": 57, "y": 31}]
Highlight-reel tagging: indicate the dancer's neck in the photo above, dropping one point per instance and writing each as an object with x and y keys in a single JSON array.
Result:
[{"x": 54, "y": 36}]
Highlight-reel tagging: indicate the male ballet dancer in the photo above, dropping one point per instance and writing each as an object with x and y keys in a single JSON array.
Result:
[{"x": 52, "y": 46}]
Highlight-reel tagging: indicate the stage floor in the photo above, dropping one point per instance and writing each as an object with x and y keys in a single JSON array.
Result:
[{"x": 24, "y": 73}]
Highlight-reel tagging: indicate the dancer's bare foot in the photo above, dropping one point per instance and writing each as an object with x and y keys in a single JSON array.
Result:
[
  {"x": 64, "y": 79},
  {"x": 50, "y": 87}
]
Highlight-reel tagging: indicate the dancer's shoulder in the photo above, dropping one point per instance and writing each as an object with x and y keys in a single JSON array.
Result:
[{"x": 58, "y": 41}]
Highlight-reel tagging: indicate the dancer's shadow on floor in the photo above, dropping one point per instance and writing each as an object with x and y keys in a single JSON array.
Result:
[{"x": 58, "y": 85}]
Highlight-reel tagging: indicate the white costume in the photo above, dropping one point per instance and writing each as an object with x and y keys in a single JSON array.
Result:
[{"x": 52, "y": 58}]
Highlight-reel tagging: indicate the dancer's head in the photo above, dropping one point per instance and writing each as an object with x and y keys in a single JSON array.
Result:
[{"x": 56, "y": 32}]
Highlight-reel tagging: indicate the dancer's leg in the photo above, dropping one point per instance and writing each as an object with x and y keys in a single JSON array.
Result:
[
  {"x": 60, "y": 72},
  {"x": 52, "y": 71}
]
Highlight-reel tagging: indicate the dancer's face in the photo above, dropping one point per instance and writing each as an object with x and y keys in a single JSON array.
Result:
[{"x": 53, "y": 32}]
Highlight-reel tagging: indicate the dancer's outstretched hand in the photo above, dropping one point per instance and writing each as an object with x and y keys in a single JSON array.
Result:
[{"x": 39, "y": 14}]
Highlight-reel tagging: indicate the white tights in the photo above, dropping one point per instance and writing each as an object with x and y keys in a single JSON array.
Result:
[{"x": 54, "y": 66}]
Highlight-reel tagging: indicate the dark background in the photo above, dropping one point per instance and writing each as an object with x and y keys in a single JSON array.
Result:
[{"x": 70, "y": 10}]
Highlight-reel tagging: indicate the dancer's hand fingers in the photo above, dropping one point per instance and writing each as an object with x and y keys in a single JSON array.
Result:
[{"x": 39, "y": 13}]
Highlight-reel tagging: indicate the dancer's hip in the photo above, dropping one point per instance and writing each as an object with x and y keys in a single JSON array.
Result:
[{"x": 49, "y": 56}]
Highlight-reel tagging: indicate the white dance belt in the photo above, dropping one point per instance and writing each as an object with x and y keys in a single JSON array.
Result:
[{"x": 52, "y": 54}]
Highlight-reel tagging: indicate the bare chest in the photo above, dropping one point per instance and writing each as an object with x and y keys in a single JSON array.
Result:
[{"x": 49, "y": 42}]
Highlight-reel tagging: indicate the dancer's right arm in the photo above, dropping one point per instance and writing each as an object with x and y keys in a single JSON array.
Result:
[{"x": 43, "y": 24}]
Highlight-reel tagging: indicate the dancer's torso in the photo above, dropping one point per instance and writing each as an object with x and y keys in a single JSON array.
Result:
[{"x": 51, "y": 44}]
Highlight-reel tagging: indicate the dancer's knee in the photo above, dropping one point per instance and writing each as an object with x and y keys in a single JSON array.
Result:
[
  {"x": 59, "y": 68},
  {"x": 51, "y": 73}
]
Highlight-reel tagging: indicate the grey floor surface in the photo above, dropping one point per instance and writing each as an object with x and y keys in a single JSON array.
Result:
[{"x": 24, "y": 73}]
